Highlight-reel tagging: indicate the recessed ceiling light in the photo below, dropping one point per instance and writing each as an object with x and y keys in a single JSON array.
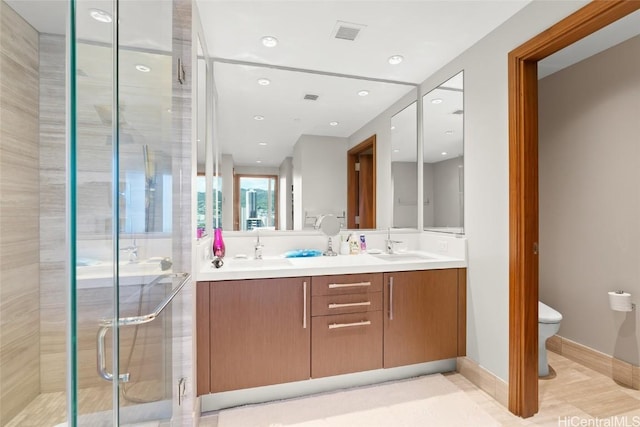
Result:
[
  {"x": 396, "y": 151},
  {"x": 395, "y": 59},
  {"x": 269, "y": 41},
  {"x": 168, "y": 110},
  {"x": 363, "y": 93},
  {"x": 258, "y": 161},
  {"x": 333, "y": 123},
  {"x": 262, "y": 143},
  {"x": 143, "y": 68},
  {"x": 100, "y": 15},
  {"x": 436, "y": 101},
  {"x": 444, "y": 153},
  {"x": 264, "y": 82},
  {"x": 258, "y": 118},
  {"x": 449, "y": 132},
  {"x": 393, "y": 127}
]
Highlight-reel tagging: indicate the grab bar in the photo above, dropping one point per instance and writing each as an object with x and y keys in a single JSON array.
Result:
[{"x": 106, "y": 324}]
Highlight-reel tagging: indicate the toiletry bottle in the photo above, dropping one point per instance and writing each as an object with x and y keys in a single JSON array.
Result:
[
  {"x": 344, "y": 246},
  {"x": 218, "y": 243},
  {"x": 363, "y": 243},
  {"x": 354, "y": 244}
]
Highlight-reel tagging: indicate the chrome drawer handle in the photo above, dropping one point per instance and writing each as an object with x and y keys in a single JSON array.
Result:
[
  {"x": 349, "y": 304},
  {"x": 349, "y": 325},
  {"x": 348, "y": 285},
  {"x": 304, "y": 305}
]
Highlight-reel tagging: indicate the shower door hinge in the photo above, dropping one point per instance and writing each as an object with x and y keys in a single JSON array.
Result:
[
  {"x": 357, "y": 220},
  {"x": 357, "y": 165},
  {"x": 181, "y": 73}
]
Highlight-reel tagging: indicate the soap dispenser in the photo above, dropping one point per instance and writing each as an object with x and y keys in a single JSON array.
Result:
[{"x": 218, "y": 243}]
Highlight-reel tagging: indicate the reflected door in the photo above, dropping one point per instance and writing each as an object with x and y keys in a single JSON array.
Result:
[{"x": 361, "y": 183}]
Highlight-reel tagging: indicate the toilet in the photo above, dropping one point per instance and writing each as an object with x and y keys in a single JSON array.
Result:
[{"x": 548, "y": 325}]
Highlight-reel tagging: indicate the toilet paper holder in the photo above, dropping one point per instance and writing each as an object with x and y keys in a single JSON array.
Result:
[{"x": 620, "y": 300}]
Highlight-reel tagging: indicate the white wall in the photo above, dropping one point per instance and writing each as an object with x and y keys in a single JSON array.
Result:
[
  {"x": 446, "y": 193},
  {"x": 320, "y": 177},
  {"x": 590, "y": 198},
  {"x": 405, "y": 194},
  {"x": 486, "y": 215}
]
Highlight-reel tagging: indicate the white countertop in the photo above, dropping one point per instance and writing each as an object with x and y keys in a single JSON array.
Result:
[{"x": 247, "y": 268}]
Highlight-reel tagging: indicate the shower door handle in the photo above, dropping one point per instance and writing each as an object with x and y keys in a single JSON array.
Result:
[{"x": 102, "y": 360}]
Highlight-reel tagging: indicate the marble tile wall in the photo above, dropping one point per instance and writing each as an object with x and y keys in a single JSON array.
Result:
[
  {"x": 19, "y": 210},
  {"x": 52, "y": 214}
]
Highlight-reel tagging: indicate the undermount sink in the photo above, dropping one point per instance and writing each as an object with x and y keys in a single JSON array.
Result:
[{"x": 402, "y": 257}]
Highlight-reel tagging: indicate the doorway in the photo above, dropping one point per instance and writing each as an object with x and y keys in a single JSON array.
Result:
[
  {"x": 361, "y": 185},
  {"x": 523, "y": 190}
]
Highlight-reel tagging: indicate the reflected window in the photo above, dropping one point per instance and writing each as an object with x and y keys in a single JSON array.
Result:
[{"x": 256, "y": 205}]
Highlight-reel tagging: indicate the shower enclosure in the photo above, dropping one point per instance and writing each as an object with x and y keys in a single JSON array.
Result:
[{"x": 95, "y": 162}]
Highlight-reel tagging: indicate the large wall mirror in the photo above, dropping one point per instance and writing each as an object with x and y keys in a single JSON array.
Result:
[
  {"x": 283, "y": 137},
  {"x": 443, "y": 156},
  {"x": 200, "y": 94},
  {"x": 404, "y": 167}
]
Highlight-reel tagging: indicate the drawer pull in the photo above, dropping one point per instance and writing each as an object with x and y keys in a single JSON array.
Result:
[
  {"x": 349, "y": 304},
  {"x": 349, "y": 325},
  {"x": 348, "y": 285}
]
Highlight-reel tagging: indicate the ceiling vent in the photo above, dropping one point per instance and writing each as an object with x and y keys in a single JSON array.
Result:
[
  {"x": 458, "y": 112},
  {"x": 310, "y": 97},
  {"x": 347, "y": 30}
]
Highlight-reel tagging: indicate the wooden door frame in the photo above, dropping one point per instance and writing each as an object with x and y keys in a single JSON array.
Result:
[
  {"x": 352, "y": 159},
  {"x": 523, "y": 189}
]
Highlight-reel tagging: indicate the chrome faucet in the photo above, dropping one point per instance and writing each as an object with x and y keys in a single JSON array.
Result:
[
  {"x": 257, "y": 249},
  {"x": 389, "y": 243},
  {"x": 132, "y": 250}
]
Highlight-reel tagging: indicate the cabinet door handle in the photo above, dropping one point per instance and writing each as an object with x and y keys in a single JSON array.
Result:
[
  {"x": 304, "y": 305},
  {"x": 390, "y": 298},
  {"x": 349, "y": 304},
  {"x": 349, "y": 325},
  {"x": 348, "y": 285}
]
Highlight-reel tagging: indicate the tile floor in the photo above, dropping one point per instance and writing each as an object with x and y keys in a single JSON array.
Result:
[{"x": 577, "y": 396}]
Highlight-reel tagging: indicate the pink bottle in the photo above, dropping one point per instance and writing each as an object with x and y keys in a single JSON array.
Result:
[{"x": 218, "y": 243}]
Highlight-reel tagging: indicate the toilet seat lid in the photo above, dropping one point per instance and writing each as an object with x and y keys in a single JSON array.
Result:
[{"x": 547, "y": 314}]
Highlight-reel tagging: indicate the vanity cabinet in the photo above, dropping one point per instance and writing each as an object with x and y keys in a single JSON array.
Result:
[
  {"x": 425, "y": 316},
  {"x": 257, "y": 333},
  {"x": 346, "y": 333}
]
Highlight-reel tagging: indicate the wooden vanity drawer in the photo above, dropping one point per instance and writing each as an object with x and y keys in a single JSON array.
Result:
[
  {"x": 346, "y": 284},
  {"x": 346, "y": 343},
  {"x": 323, "y": 305}
]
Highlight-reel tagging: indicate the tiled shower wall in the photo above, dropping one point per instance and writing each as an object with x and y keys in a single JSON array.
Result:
[
  {"x": 19, "y": 212},
  {"x": 52, "y": 213}
]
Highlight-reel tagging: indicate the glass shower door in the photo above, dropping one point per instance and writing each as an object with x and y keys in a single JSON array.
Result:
[{"x": 124, "y": 189}]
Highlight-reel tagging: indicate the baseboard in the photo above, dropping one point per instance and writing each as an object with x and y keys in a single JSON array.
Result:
[
  {"x": 484, "y": 380},
  {"x": 618, "y": 370}
]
